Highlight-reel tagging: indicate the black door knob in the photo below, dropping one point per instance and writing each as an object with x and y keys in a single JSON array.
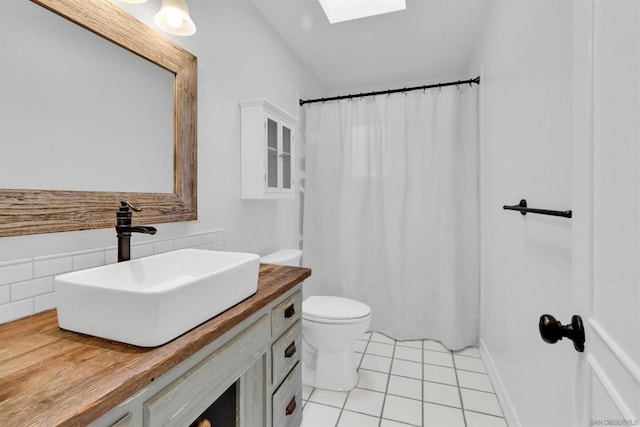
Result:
[{"x": 552, "y": 331}]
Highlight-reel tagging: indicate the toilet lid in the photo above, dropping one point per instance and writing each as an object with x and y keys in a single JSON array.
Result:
[{"x": 333, "y": 308}]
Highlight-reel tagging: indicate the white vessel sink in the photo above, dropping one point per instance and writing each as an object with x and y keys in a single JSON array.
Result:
[{"x": 150, "y": 301}]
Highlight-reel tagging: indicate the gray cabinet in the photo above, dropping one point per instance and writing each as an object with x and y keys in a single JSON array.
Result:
[
  {"x": 191, "y": 393},
  {"x": 261, "y": 355},
  {"x": 286, "y": 350}
]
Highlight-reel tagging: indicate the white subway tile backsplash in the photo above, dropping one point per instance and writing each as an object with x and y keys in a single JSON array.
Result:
[
  {"x": 45, "y": 302},
  {"x": 181, "y": 243},
  {"x": 139, "y": 251},
  {"x": 15, "y": 310},
  {"x": 16, "y": 271},
  {"x": 162, "y": 246},
  {"x": 48, "y": 266},
  {"x": 31, "y": 288},
  {"x": 110, "y": 255},
  {"x": 5, "y": 294},
  {"x": 27, "y": 285},
  {"x": 88, "y": 260},
  {"x": 195, "y": 241}
]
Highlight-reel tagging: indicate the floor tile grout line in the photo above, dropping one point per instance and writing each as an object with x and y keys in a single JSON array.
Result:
[
  {"x": 391, "y": 419},
  {"x": 475, "y": 372},
  {"x": 464, "y": 417},
  {"x": 441, "y": 366},
  {"x": 386, "y": 389},
  {"x": 425, "y": 401},
  {"x": 422, "y": 382},
  {"x": 399, "y": 422},
  {"x": 468, "y": 357},
  {"x": 413, "y": 378},
  {"x": 478, "y": 390},
  {"x": 486, "y": 413}
]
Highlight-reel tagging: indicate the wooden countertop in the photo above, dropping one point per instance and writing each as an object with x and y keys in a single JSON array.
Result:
[{"x": 49, "y": 376}]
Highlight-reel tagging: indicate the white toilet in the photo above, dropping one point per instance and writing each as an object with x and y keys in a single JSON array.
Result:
[{"x": 330, "y": 325}]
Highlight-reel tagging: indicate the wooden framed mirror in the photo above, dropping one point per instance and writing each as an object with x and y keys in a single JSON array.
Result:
[{"x": 28, "y": 211}]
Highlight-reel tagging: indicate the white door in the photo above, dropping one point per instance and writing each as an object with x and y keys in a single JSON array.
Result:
[{"x": 606, "y": 206}]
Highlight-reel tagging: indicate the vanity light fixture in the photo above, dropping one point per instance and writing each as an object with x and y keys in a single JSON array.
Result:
[
  {"x": 174, "y": 18},
  {"x": 347, "y": 10}
]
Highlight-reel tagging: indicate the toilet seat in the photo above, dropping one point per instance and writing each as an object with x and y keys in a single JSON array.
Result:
[{"x": 330, "y": 309}]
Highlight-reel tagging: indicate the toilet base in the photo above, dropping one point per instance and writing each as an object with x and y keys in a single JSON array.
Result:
[{"x": 328, "y": 371}]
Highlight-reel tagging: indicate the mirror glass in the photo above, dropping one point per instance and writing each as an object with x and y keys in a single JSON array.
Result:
[
  {"x": 79, "y": 112},
  {"x": 173, "y": 107}
]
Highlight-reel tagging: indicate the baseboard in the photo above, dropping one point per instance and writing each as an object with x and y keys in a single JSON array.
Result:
[{"x": 507, "y": 406}]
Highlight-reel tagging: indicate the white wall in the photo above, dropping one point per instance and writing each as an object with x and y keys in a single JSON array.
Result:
[
  {"x": 239, "y": 57},
  {"x": 525, "y": 59}
]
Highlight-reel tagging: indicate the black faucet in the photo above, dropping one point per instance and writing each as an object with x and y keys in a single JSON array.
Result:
[{"x": 124, "y": 230}]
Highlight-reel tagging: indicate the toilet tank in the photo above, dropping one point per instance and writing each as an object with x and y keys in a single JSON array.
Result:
[{"x": 290, "y": 257}]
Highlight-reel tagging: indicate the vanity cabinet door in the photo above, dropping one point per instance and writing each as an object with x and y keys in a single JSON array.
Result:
[{"x": 187, "y": 397}]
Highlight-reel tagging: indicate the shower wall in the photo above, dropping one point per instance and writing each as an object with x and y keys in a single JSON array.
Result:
[{"x": 524, "y": 58}]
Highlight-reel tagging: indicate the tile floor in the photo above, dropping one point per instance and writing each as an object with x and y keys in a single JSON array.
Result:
[{"x": 408, "y": 383}]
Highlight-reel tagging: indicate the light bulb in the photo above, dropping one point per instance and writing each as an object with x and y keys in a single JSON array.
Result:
[{"x": 174, "y": 19}]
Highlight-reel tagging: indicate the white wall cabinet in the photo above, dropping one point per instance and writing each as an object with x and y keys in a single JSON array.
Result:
[{"x": 267, "y": 151}]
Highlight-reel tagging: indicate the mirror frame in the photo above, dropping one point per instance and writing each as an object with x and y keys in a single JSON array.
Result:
[{"x": 25, "y": 212}]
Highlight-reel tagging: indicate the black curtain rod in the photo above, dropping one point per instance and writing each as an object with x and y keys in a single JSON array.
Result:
[{"x": 390, "y": 91}]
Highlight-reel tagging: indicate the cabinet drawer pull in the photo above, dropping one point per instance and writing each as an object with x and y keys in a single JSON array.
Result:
[
  {"x": 291, "y": 350},
  {"x": 289, "y": 311},
  {"x": 291, "y": 406}
]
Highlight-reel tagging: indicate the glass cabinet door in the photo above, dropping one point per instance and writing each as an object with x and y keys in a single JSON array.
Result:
[
  {"x": 267, "y": 151},
  {"x": 272, "y": 154},
  {"x": 286, "y": 158}
]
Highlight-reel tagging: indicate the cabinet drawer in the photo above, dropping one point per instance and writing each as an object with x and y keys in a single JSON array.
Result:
[
  {"x": 126, "y": 421},
  {"x": 188, "y": 396},
  {"x": 285, "y": 352},
  {"x": 286, "y": 314},
  {"x": 287, "y": 401}
]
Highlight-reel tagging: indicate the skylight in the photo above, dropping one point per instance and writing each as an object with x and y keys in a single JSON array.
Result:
[{"x": 346, "y": 10}]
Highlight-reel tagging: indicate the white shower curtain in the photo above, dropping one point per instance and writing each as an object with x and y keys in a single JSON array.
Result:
[{"x": 391, "y": 210}]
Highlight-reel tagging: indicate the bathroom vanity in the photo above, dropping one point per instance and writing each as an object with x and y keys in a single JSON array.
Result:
[{"x": 248, "y": 357}]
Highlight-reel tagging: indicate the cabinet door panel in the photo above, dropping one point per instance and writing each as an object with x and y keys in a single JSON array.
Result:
[
  {"x": 286, "y": 158},
  {"x": 272, "y": 154}
]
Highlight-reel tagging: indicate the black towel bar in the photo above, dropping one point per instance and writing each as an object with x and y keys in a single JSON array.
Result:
[{"x": 523, "y": 209}]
